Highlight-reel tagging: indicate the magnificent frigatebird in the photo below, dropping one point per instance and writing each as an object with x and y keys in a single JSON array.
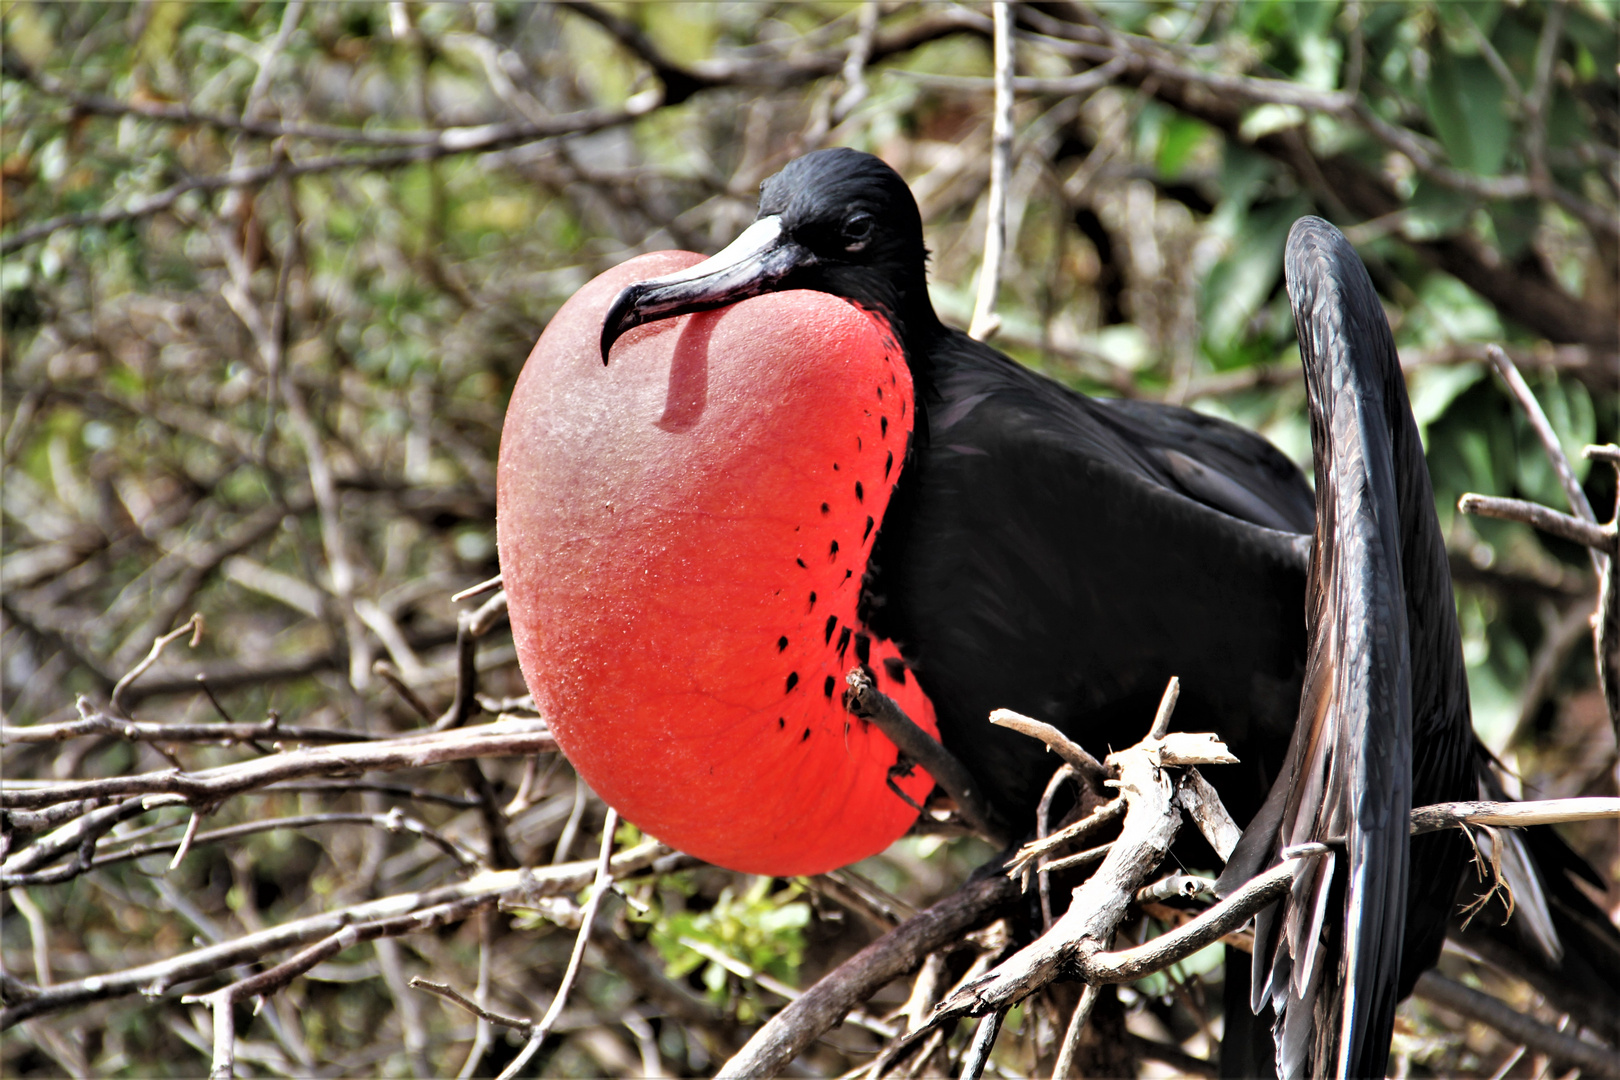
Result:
[
  {"x": 1023, "y": 546},
  {"x": 1042, "y": 551}
]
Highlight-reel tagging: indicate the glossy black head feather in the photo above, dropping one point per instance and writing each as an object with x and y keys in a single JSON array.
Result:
[
  {"x": 834, "y": 221},
  {"x": 860, "y": 222}
]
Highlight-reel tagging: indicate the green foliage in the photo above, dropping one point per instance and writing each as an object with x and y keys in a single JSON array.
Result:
[{"x": 761, "y": 929}]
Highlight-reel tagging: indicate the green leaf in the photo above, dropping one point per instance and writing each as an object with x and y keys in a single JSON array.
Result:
[
  {"x": 1465, "y": 102},
  {"x": 1449, "y": 311},
  {"x": 761, "y": 929},
  {"x": 1433, "y": 387},
  {"x": 1515, "y": 223},
  {"x": 1240, "y": 283},
  {"x": 1178, "y": 142},
  {"x": 1434, "y": 211}
]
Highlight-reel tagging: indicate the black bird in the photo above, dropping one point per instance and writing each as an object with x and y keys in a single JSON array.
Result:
[
  {"x": 1064, "y": 556},
  {"x": 1042, "y": 551}
]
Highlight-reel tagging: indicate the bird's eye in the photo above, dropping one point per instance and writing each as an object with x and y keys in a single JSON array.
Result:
[{"x": 857, "y": 231}]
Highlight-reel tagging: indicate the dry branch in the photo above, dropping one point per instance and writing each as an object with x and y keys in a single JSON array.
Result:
[
  {"x": 599, "y": 889},
  {"x": 487, "y": 889},
  {"x": 1098, "y": 905},
  {"x": 507, "y": 738},
  {"x": 1060, "y": 744},
  {"x": 865, "y": 700},
  {"x": 1599, "y": 538},
  {"x": 1563, "y": 1048},
  {"x": 1517, "y": 814},
  {"x": 858, "y": 978},
  {"x": 93, "y": 722}
]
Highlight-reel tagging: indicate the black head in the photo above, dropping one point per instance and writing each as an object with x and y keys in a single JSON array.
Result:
[{"x": 836, "y": 221}]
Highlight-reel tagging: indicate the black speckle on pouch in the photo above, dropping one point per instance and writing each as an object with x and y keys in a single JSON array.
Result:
[
  {"x": 832, "y": 551},
  {"x": 843, "y": 642},
  {"x": 835, "y": 466},
  {"x": 888, "y": 464},
  {"x": 868, "y": 531},
  {"x": 896, "y": 668},
  {"x": 825, "y": 509},
  {"x": 863, "y": 648},
  {"x": 792, "y": 681},
  {"x": 883, "y": 426},
  {"x": 801, "y": 563},
  {"x": 781, "y": 722},
  {"x": 848, "y": 574},
  {"x": 860, "y": 492},
  {"x": 805, "y": 736},
  {"x": 781, "y": 643},
  {"x": 827, "y": 687},
  {"x": 857, "y": 442},
  {"x": 812, "y": 601},
  {"x": 880, "y": 393},
  {"x": 832, "y": 624}
]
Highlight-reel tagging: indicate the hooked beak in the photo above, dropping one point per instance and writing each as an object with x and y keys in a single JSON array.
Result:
[{"x": 754, "y": 263}]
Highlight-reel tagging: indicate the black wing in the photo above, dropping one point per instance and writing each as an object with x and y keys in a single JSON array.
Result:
[{"x": 1384, "y": 715}]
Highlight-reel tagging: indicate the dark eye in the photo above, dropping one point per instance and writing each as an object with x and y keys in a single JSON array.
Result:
[{"x": 857, "y": 231}]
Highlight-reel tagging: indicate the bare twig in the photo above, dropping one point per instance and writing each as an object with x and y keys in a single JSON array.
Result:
[
  {"x": 854, "y": 72},
  {"x": 1503, "y": 363},
  {"x": 1544, "y": 812},
  {"x": 517, "y": 1023},
  {"x": 985, "y": 319},
  {"x": 1071, "y": 1037},
  {"x": 599, "y": 889},
  {"x": 1562, "y": 634},
  {"x": 501, "y": 739},
  {"x": 865, "y": 700},
  {"x": 393, "y": 821},
  {"x": 1043, "y": 817},
  {"x": 820, "y": 1007},
  {"x": 434, "y": 145},
  {"x": 1099, "y": 904},
  {"x": 487, "y": 889},
  {"x": 476, "y": 590},
  {"x": 93, "y": 722},
  {"x": 192, "y": 626},
  {"x": 470, "y": 626},
  {"x": 984, "y": 1040},
  {"x": 1576, "y": 530},
  {"x": 1167, "y": 705},
  {"x": 78, "y": 836},
  {"x": 1060, "y": 744},
  {"x": 484, "y": 1034},
  {"x": 774, "y": 985},
  {"x": 1201, "y": 803},
  {"x": 1065, "y": 836}
]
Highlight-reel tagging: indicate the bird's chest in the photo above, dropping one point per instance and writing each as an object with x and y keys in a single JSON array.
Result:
[{"x": 683, "y": 536}]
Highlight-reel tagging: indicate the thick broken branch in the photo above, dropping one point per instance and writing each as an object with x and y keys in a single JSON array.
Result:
[{"x": 862, "y": 975}]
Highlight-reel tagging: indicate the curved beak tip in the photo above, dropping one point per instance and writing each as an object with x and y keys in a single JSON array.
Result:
[{"x": 619, "y": 318}]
